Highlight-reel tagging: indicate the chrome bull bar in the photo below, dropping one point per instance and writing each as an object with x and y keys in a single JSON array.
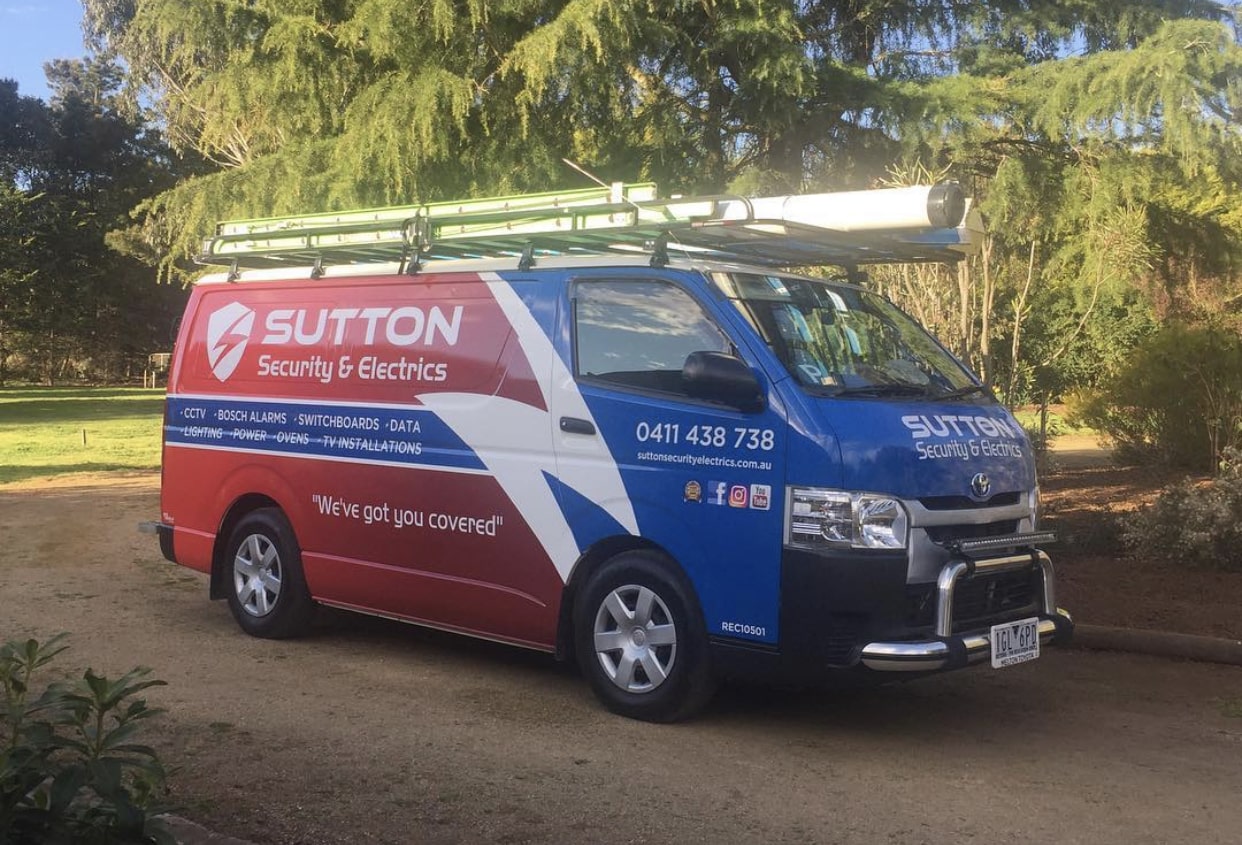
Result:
[{"x": 950, "y": 651}]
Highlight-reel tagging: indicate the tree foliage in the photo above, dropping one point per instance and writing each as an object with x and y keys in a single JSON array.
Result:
[
  {"x": 331, "y": 103},
  {"x": 70, "y": 172},
  {"x": 1176, "y": 400},
  {"x": 1100, "y": 138},
  {"x": 1109, "y": 184}
]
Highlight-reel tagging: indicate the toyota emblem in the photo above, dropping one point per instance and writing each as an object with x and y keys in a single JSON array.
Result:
[{"x": 980, "y": 485}]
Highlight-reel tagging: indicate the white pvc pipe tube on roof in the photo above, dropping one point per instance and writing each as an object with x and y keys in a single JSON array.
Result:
[{"x": 921, "y": 207}]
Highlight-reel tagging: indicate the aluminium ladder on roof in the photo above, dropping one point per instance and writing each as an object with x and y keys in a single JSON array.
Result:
[{"x": 889, "y": 225}]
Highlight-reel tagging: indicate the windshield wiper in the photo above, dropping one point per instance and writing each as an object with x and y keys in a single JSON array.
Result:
[
  {"x": 962, "y": 392},
  {"x": 891, "y": 389}
]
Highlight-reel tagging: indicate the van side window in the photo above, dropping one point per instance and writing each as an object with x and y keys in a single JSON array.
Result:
[{"x": 638, "y": 334}]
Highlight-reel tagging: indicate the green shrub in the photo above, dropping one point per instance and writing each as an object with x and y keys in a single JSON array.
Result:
[
  {"x": 1177, "y": 401},
  {"x": 1040, "y": 434},
  {"x": 70, "y": 770},
  {"x": 1135, "y": 433},
  {"x": 1098, "y": 535},
  {"x": 1198, "y": 524}
]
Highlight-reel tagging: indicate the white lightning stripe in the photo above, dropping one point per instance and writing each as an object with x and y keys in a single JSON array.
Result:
[
  {"x": 598, "y": 480},
  {"x": 516, "y": 442}
]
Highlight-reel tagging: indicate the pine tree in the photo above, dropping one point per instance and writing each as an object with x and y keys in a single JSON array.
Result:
[
  {"x": 70, "y": 172},
  {"x": 332, "y": 103},
  {"x": 1101, "y": 138}
]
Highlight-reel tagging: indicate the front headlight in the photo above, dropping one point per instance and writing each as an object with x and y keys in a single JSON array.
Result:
[{"x": 816, "y": 518}]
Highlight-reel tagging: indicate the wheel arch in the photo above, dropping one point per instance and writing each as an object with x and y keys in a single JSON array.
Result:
[
  {"x": 591, "y": 560},
  {"x": 235, "y": 513}
]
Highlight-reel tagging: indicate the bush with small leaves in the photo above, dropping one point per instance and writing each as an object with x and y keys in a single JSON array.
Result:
[
  {"x": 71, "y": 771},
  {"x": 1198, "y": 524},
  {"x": 1178, "y": 400}
]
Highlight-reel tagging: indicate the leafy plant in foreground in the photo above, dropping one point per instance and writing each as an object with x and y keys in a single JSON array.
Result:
[{"x": 70, "y": 769}]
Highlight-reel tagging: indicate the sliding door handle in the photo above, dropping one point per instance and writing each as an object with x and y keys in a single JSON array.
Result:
[{"x": 573, "y": 425}]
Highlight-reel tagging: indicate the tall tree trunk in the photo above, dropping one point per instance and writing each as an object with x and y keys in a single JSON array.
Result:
[
  {"x": 964, "y": 321},
  {"x": 1019, "y": 314},
  {"x": 985, "y": 307}
]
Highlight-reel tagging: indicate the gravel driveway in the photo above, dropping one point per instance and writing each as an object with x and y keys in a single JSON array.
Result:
[{"x": 371, "y": 731}]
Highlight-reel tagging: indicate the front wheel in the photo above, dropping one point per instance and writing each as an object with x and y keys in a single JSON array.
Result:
[
  {"x": 641, "y": 641},
  {"x": 263, "y": 568}
]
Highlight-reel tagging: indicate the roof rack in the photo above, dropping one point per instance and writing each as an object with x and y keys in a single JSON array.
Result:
[{"x": 919, "y": 224}]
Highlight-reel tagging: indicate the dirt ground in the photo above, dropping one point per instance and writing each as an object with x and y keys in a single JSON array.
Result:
[
  {"x": 374, "y": 732},
  {"x": 1084, "y": 495}
]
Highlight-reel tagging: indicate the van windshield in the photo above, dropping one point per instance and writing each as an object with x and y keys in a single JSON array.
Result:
[{"x": 840, "y": 340}]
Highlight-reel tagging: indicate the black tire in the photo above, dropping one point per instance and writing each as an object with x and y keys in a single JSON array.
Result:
[
  {"x": 263, "y": 577},
  {"x": 659, "y": 669}
]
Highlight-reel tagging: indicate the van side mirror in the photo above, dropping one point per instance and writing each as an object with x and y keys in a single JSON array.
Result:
[{"x": 718, "y": 377}]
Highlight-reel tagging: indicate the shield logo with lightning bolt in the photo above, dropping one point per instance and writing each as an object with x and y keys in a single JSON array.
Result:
[{"x": 228, "y": 332}]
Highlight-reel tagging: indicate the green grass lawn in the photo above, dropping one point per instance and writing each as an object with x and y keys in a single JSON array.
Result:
[{"x": 42, "y": 430}]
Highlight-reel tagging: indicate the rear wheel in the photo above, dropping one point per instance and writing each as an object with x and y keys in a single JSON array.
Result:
[
  {"x": 641, "y": 641},
  {"x": 263, "y": 567}
]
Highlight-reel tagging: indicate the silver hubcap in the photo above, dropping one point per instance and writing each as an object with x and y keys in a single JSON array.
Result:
[
  {"x": 635, "y": 640},
  {"x": 256, "y": 575}
]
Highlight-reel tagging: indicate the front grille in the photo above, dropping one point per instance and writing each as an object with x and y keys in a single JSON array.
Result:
[
  {"x": 982, "y": 601},
  {"x": 964, "y": 503},
  {"x": 943, "y": 534},
  {"x": 978, "y": 602}
]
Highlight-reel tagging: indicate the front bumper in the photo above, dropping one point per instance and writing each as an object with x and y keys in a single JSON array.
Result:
[{"x": 947, "y": 650}]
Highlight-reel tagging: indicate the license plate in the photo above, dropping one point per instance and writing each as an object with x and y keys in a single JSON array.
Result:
[{"x": 1015, "y": 642}]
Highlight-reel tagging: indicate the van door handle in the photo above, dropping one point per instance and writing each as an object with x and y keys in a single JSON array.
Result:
[{"x": 573, "y": 425}]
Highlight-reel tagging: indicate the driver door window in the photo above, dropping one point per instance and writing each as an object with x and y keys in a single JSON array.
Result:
[{"x": 638, "y": 334}]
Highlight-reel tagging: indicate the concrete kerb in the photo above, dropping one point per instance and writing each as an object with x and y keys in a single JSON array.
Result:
[{"x": 1159, "y": 644}]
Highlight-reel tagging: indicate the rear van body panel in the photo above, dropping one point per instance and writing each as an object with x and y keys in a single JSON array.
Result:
[{"x": 332, "y": 401}]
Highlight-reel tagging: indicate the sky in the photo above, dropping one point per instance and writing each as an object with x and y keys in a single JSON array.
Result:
[{"x": 33, "y": 32}]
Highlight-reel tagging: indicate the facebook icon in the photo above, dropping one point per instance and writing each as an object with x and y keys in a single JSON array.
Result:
[{"x": 717, "y": 492}]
